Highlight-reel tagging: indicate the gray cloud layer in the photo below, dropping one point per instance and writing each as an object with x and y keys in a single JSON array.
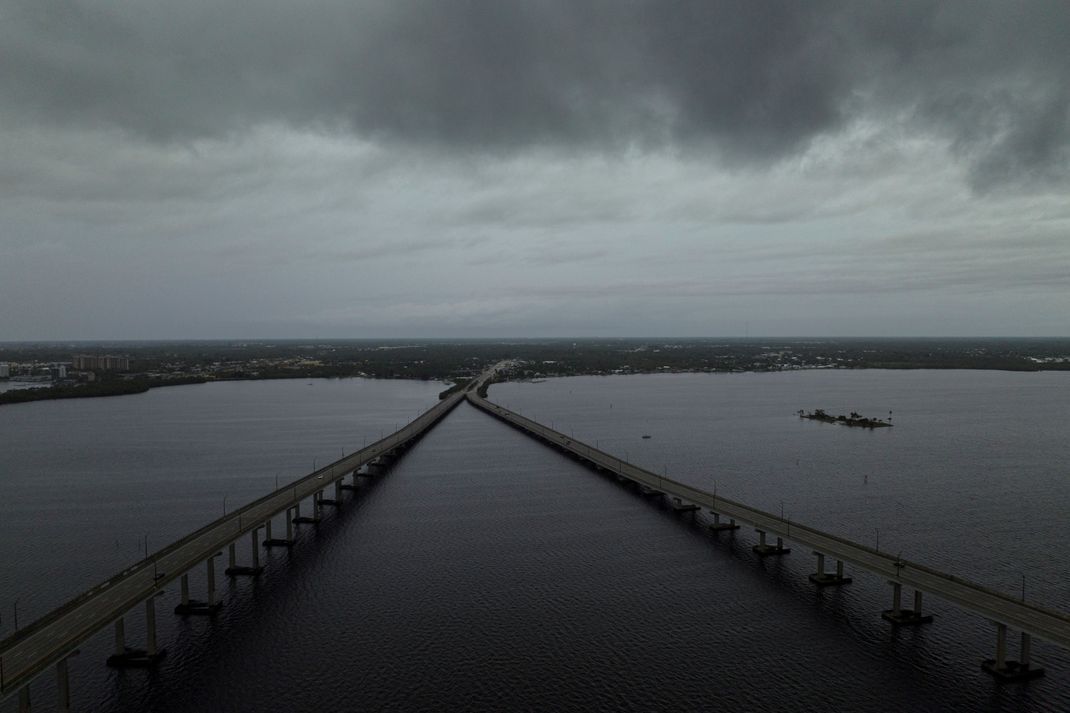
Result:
[
  {"x": 746, "y": 82},
  {"x": 210, "y": 168}
]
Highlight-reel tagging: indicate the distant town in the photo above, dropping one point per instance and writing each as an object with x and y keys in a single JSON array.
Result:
[{"x": 36, "y": 371}]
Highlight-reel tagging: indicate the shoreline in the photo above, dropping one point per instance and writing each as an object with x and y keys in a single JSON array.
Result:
[
  {"x": 140, "y": 386},
  {"x": 136, "y": 387}
]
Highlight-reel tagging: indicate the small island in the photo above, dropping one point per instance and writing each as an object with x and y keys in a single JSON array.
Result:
[{"x": 855, "y": 419}]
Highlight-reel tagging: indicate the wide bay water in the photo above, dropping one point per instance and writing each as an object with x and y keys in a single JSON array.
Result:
[{"x": 486, "y": 572}]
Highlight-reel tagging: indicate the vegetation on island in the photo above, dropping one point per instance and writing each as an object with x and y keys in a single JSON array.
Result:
[
  {"x": 854, "y": 419},
  {"x": 89, "y": 390}
]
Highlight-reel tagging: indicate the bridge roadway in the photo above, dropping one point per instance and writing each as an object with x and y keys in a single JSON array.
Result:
[
  {"x": 996, "y": 606},
  {"x": 54, "y": 637}
]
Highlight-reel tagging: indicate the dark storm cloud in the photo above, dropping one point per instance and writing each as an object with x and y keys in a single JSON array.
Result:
[{"x": 745, "y": 81}]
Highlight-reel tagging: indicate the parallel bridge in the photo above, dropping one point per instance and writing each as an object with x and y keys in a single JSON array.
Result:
[
  {"x": 52, "y": 639},
  {"x": 1003, "y": 610}
]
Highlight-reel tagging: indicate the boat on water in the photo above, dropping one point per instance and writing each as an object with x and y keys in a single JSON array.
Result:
[{"x": 645, "y": 436}]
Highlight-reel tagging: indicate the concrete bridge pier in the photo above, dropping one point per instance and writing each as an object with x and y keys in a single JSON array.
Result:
[
  {"x": 126, "y": 657},
  {"x": 1006, "y": 670},
  {"x": 762, "y": 549},
  {"x": 270, "y": 541},
  {"x": 350, "y": 486},
  {"x": 827, "y": 579},
  {"x": 300, "y": 520},
  {"x": 189, "y": 606},
  {"x": 63, "y": 687},
  {"x": 718, "y": 526},
  {"x": 334, "y": 502},
  {"x": 235, "y": 569},
  {"x": 209, "y": 565},
  {"x": 678, "y": 505},
  {"x": 905, "y": 617}
]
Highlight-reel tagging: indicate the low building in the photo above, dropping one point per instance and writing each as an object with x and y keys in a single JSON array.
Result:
[{"x": 107, "y": 362}]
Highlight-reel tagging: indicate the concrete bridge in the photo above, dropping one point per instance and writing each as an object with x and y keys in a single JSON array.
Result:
[
  {"x": 50, "y": 641},
  {"x": 1001, "y": 609}
]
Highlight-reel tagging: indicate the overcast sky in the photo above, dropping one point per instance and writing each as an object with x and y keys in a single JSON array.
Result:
[{"x": 333, "y": 168}]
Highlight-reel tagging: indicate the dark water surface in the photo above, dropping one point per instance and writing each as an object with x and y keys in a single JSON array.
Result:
[{"x": 486, "y": 572}]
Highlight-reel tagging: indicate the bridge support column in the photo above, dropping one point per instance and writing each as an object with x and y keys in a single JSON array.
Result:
[
  {"x": 270, "y": 541},
  {"x": 905, "y": 617},
  {"x": 120, "y": 637},
  {"x": 719, "y": 526},
  {"x": 336, "y": 502},
  {"x": 150, "y": 626},
  {"x": 234, "y": 569},
  {"x": 1005, "y": 670},
  {"x": 826, "y": 579},
  {"x": 195, "y": 606},
  {"x": 126, "y": 657},
  {"x": 348, "y": 486},
  {"x": 255, "y": 550},
  {"x": 315, "y": 518},
  {"x": 63, "y": 687},
  {"x": 209, "y": 565},
  {"x": 24, "y": 699},
  {"x": 765, "y": 550}
]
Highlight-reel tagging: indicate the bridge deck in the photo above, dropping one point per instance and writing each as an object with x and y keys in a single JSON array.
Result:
[
  {"x": 31, "y": 650},
  {"x": 1044, "y": 623}
]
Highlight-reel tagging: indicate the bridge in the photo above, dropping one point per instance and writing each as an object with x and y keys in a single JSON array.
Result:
[
  {"x": 51, "y": 640},
  {"x": 54, "y": 638}
]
